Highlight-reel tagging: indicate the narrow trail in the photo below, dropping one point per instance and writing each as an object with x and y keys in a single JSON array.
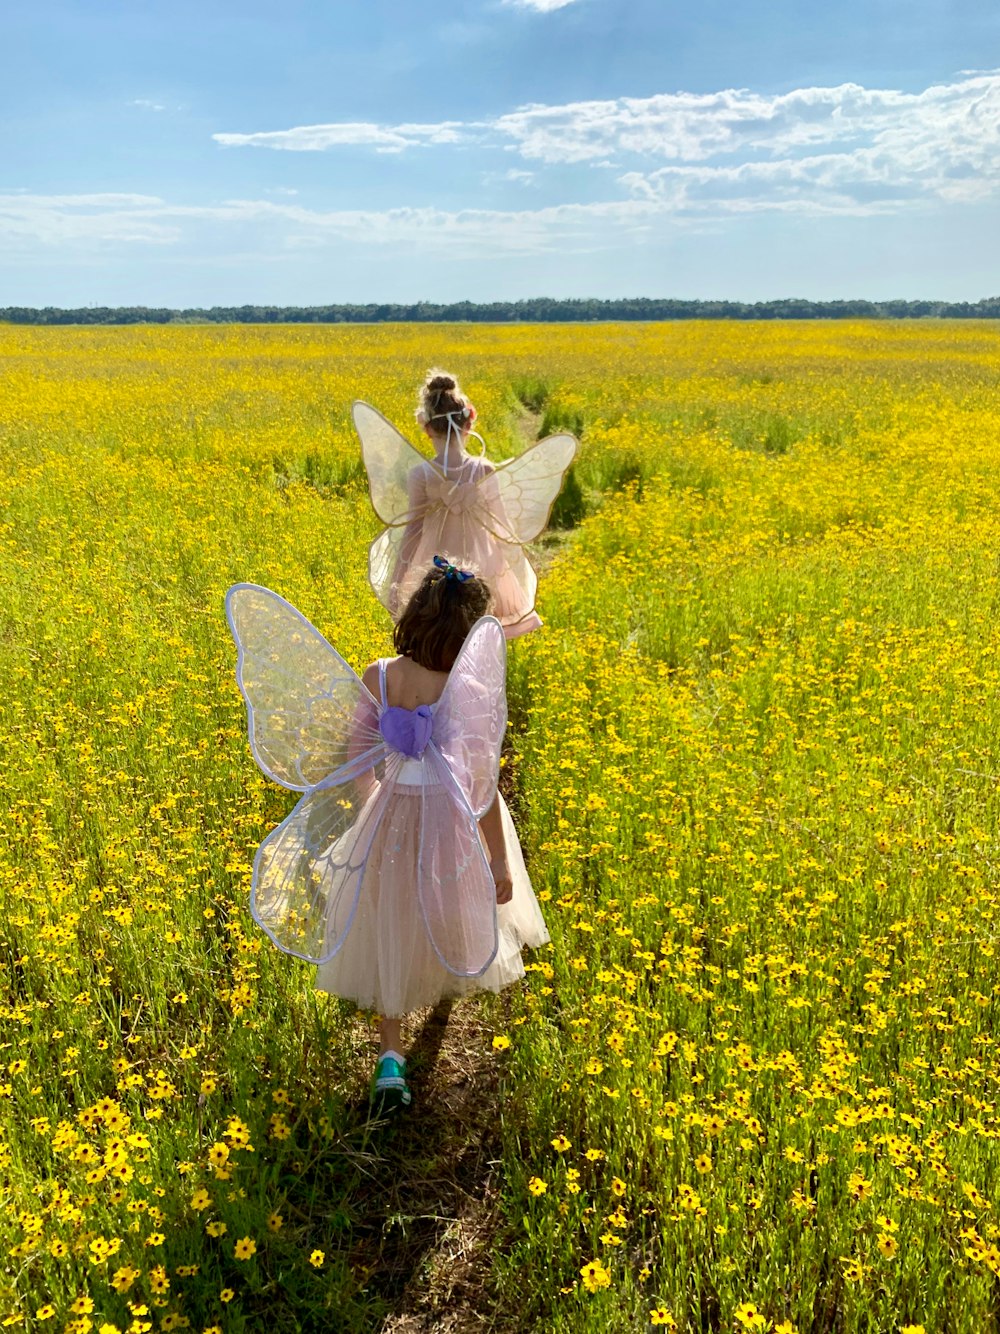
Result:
[
  {"x": 430, "y": 1211},
  {"x": 432, "y": 1217}
]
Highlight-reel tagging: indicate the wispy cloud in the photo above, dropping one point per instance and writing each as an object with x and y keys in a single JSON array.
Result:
[
  {"x": 838, "y": 149},
  {"x": 146, "y": 104},
  {"x": 540, "y": 6},
  {"x": 52, "y": 220},
  {"x": 348, "y": 134},
  {"x": 512, "y": 176},
  {"x": 88, "y": 219}
]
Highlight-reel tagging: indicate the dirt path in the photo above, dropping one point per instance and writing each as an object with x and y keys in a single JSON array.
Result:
[
  {"x": 432, "y": 1218},
  {"x": 431, "y": 1215}
]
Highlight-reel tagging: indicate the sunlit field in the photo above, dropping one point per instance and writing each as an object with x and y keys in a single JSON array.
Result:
[{"x": 753, "y": 1082}]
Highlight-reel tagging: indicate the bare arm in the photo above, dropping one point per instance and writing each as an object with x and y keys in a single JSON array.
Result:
[{"x": 492, "y": 829}]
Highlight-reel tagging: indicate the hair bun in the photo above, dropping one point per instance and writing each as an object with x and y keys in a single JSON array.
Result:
[{"x": 441, "y": 401}]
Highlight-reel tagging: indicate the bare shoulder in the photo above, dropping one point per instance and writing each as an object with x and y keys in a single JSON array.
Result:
[{"x": 369, "y": 679}]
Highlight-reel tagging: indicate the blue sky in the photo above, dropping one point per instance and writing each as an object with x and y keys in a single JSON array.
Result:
[{"x": 308, "y": 152}]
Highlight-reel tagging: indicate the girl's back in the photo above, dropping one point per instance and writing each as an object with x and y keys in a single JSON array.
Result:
[{"x": 407, "y": 684}]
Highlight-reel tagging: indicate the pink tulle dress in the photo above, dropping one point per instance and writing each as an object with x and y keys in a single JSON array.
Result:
[
  {"x": 380, "y": 874},
  {"x": 461, "y": 506},
  {"x": 388, "y": 961}
]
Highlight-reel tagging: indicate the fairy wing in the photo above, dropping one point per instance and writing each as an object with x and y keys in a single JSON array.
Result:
[
  {"x": 390, "y": 576},
  {"x": 308, "y": 873},
  {"x": 455, "y": 886},
  {"x": 471, "y": 716},
  {"x": 390, "y": 461},
  {"x": 313, "y": 728},
  {"x": 308, "y": 712},
  {"x": 524, "y": 489}
]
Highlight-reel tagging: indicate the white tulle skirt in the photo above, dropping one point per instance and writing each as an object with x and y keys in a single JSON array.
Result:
[{"x": 387, "y": 962}]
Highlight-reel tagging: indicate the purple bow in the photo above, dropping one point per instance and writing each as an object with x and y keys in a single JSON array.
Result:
[{"x": 407, "y": 730}]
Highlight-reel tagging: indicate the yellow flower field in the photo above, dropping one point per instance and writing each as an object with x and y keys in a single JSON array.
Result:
[{"x": 752, "y": 1084}]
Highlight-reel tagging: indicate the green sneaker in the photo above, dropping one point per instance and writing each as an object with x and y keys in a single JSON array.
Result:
[{"x": 389, "y": 1087}]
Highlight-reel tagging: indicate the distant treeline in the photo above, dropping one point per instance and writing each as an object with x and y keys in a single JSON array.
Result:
[{"x": 538, "y": 310}]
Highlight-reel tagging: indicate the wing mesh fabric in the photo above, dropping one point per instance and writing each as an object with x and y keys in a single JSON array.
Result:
[
  {"x": 389, "y": 459},
  {"x": 309, "y": 871},
  {"x": 471, "y": 716},
  {"x": 308, "y": 711},
  {"x": 526, "y": 488}
]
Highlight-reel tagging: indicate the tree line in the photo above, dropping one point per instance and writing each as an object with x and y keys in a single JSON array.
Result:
[{"x": 536, "y": 310}]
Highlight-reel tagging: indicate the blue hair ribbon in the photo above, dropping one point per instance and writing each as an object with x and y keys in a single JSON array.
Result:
[{"x": 452, "y": 572}]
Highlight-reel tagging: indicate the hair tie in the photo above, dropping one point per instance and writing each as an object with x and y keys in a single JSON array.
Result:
[{"x": 451, "y": 572}]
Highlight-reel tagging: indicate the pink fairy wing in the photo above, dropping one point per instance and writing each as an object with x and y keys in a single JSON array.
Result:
[
  {"x": 471, "y": 715},
  {"x": 385, "y": 574},
  {"x": 390, "y": 461},
  {"x": 521, "y": 492},
  {"x": 455, "y": 885},
  {"x": 309, "y": 713},
  {"x": 308, "y": 872}
]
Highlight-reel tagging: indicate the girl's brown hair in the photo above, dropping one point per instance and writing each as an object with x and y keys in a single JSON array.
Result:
[
  {"x": 437, "y": 618},
  {"x": 440, "y": 397}
]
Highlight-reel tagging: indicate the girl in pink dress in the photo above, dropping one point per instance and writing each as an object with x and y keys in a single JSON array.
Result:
[
  {"x": 480, "y": 513},
  {"x": 399, "y": 871}
]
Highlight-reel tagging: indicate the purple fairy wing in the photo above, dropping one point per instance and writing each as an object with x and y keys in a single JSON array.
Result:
[
  {"x": 520, "y": 494},
  {"x": 389, "y": 461},
  {"x": 455, "y": 885},
  {"x": 314, "y": 726},
  {"x": 309, "y": 713},
  {"x": 471, "y": 715},
  {"x": 308, "y": 872}
]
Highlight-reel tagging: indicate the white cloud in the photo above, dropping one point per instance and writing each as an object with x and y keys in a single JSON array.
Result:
[
  {"x": 685, "y": 127},
  {"x": 839, "y": 149},
  {"x": 693, "y": 127},
  {"x": 431, "y": 229},
  {"x": 883, "y": 152},
  {"x": 57, "y": 220},
  {"x": 347, "y": 134},
  {"x": 146, "y": 104},
  {"x": 540, "y": 6},
  {"x": 512, "y": 176},
  {"x": 54, "y": 220},
  {"x": 682, "y": 160}
]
